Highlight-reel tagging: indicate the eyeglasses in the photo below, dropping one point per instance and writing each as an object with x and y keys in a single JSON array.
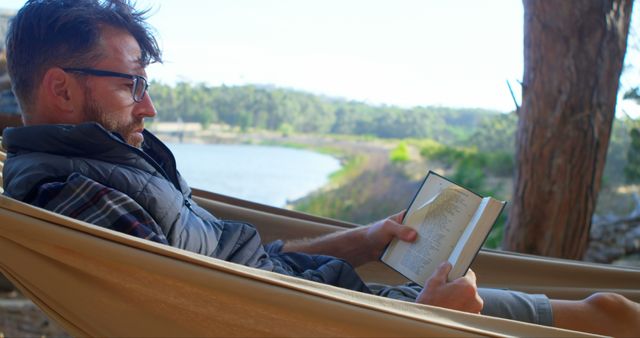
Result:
[{"x": 140, "y": 84}]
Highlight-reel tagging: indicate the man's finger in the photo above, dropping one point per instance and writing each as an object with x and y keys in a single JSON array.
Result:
[
  {"x": 471, "y": 275},
  {"x": 396, "y": 229},
  {"x": 440, "y": 275},
  {"x": 406, "y": 233},
  {"x": 399, "y": 216}
]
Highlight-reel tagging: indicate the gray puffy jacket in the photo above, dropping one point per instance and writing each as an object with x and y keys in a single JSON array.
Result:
[
  {"x": 41, "y": 154},
  {"x": 51, "y": 153}
]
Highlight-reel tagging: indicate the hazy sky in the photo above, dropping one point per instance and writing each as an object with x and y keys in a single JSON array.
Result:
[{"x": 401, "y": 52}]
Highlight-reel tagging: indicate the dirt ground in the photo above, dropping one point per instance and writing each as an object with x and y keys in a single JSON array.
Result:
[{"x": 19, "y": 317}]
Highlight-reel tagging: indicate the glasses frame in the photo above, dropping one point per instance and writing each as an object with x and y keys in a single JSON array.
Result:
[{"x": 137, "y": 79}]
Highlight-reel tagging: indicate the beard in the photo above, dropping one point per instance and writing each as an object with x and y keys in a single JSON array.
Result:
[{"x": 125, "y": 128}]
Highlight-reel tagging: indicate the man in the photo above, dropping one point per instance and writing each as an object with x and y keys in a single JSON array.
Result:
[{"x": 78, "y": 71}]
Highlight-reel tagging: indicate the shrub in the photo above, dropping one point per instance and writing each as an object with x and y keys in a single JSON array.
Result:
[
  {"x": 430, "y": 148},
  {"x": 400, "y": 153},
  {"x": 286, "y": 129}
]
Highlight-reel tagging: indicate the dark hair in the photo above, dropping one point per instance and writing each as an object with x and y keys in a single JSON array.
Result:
[{"x": 65, "y": 33}]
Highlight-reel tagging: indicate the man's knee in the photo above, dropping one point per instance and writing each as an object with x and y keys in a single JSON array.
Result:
[{"x": 609, "y": 302}]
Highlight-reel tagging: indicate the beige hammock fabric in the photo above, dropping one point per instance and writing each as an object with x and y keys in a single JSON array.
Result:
[
  {"x": 96, "y": 282},
  {"x": 557, "y": 278}
]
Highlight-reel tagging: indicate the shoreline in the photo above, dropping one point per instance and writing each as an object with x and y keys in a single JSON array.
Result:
[{"x": 353, "y": 153}]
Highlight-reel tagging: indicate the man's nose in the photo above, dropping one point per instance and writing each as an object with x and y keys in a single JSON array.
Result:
[{"x": 145, "y": 107}]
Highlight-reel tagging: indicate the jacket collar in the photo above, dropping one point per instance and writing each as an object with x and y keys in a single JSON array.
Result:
[{"x": 90, "y": 140}]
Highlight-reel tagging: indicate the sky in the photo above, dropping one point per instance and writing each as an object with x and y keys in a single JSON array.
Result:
[{"x": 457, "y": 53}]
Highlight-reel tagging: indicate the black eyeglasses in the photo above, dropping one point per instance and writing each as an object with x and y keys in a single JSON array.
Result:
[{"x": 140, "y": 84}]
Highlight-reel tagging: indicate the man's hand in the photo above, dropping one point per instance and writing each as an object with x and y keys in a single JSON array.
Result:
[
  {"x": 460, "y": 294},
  {"x": 358, "y": 245},
  {"x": 380, "y": 233}
]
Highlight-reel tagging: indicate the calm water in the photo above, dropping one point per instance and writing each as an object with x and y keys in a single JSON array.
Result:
[{"x": 264, "y": 174}]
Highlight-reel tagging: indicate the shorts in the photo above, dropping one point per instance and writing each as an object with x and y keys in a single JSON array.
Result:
[
  {"x": 508, "y": 304},
  {"x": 524, "y": 307}
]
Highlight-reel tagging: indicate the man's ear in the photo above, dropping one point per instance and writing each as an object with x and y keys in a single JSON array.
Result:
[{"x": 60, "y": 90}]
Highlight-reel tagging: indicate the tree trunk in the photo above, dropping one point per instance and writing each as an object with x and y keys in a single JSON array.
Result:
[{"x": 573, "y": 55}]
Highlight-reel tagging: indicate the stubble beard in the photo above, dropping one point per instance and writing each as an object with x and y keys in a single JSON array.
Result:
[{"x": 94, "y": 112}]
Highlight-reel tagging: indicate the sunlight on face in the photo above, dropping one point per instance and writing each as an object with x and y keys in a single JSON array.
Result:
[
  {"x": 109, "y": 100},
  {"x": 129, "y": 128}
]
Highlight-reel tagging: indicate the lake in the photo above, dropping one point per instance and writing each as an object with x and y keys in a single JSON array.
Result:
[{"x": 264, "y": 174}]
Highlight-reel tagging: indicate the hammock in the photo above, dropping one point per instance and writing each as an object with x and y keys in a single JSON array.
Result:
[
  {"x": 97, "y": 282},
  {"x": 557, "y": 278}
]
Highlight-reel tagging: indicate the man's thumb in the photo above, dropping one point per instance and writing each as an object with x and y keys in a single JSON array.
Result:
[
  {"x": 441, "y": 273},
  {"x": 406, "y": 234}
]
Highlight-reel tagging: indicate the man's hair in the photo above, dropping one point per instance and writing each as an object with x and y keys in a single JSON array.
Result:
[{"x": 66, "y": 33}]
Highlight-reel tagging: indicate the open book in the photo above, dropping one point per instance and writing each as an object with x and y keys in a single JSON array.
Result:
[{"x": 452, "y": 224}]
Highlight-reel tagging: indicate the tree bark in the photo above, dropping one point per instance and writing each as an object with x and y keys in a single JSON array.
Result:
[{"x": 573, "y": 56}]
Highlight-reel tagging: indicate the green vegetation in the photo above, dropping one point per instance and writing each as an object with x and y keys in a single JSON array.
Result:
[
  {"x": 632, "y": 168},
  {"x": 633, "y": 94},
  {"x": 286, "y": 129},
  {"x": 285, "y": 110},
  {"x": 349, "y": 171},
  {"x": 473, "y": 147},
  {"x": 336, "y": 200},
  {"x": 469, "y": 163},
  {"x": 400, "y": 154}
]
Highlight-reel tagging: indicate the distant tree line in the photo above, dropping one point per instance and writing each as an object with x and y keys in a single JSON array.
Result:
[
  {"x": 278, "y": 109},
  {"x": 471, "y": 139}
]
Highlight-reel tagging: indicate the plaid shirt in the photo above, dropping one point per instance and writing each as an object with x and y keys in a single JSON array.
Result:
[{"x": 85, "y": 199}]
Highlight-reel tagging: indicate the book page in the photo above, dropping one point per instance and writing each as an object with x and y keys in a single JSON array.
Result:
[
  {"x": 474, "y": 236},
  {"x": 432, "y": 186},
  {"x": 439, "y": 222}
]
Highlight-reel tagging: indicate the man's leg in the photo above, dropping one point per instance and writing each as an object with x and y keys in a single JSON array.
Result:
[
  {"x": 515, "y": 305},
  {"x": 602, "y": 313},
  {"x": 500, "y": 303}
]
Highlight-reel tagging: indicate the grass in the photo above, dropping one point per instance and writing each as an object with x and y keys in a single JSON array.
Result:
[{"x": 354, "y": 166}]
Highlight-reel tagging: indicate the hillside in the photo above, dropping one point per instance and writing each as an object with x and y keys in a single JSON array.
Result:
[{"x": 289, "y": 111}]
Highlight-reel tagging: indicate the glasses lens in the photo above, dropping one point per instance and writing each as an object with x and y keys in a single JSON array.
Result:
[{"x": 139, "y": 88}]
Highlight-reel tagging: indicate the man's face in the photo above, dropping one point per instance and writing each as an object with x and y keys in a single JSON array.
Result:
[
  {"x": 108, "y": 100},
  {"x": 129, "y": 127}
]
